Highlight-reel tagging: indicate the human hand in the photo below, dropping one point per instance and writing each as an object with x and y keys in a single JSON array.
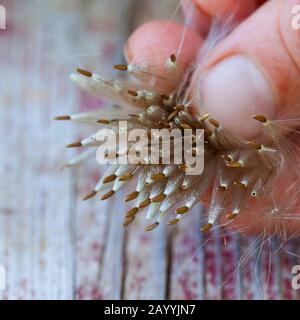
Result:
[{"x": 254, "y": 70}]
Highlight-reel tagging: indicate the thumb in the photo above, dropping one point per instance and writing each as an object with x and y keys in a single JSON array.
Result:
[{"x": 255, "y": 70}]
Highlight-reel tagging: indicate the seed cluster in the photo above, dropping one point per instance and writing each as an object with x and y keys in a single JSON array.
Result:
[{"x": 235, "y": 170}]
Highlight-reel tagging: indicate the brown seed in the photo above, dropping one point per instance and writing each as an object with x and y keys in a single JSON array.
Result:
[
  {"x": 254, "y": 145},
  {"x": 231, "y": 216},
  {"x": 226, "y": 157},
  {"x": 103, "y": 121},
  {"x": 214, "y": 122},
  {"x": 121, "y": 67},
  {"x": 180, "y": 107},
  {"x": 260, "y": 118},
  {"x": 132, "y": 212},
  {"x": 126, "y": 177},
  {"x": 222, "y": 188},
  {"x": 110, "y": 178},
  {"x": 159, "y": 198},
  {"x": 108, "y": 195},
  {"x": 234, "y": 164},
  {"x": 133, "y": 115},
  {"x": 182, "y": 210},
  {"x": 173, "y": 115},
  {"x": 128, "y": 221},
  {"x": 152, "y": 226},
  {"x": 132, "y": 196},
  {"x": 182, "y": 167},
  {"x": 85, "y": 73},
  {"x": 62, "y": 118},
  {"x": 207, "y": 133},
  {"x": 164, "y": 124},
  {"x": 205, "y": 117},
  {"x": 206, "y": 227},
  {"x": 164, "y": 97},
  {"x": 89, "y": 195},
  {"x": 145, "y": 203},
  {"x": 185, "y": 126},
  {"x": 133, "y": 93},
  {"x": 158, "y": 176},
  {"x": 173, "y": 58},
  {"x": 74, "y": 145},
  {"x": 173, "y": 222}
]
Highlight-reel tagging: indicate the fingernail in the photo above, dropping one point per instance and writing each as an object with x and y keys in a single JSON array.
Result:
[{"x": 233, "y": 91}]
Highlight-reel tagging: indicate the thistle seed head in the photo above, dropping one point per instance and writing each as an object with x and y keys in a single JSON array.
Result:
[{"x": 236, "y": 169}]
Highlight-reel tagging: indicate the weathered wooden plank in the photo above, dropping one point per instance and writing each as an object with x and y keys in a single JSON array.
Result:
[
  {"x": 250, "y": 268},
  {"x": 213, "y": 274},
  {"x": 99, "y": 231},
  {"x": 53, "y": 245},
  {"x": 290, "y": 256},
  {"x": 287, "y": 263},
  {"x": 36, "y": 244},
  {"x": 145, "y": 262},
  {"x": 231, "y": 277},
  {"x": 187, "y": 264},
  {"x": 271, "y": 270}
]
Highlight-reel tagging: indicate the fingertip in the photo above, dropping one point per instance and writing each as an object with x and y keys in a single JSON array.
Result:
[
  {"x": 242, "y": 91},
  {"x": 154, "y": 42},
  {"x": 215, "y": 8},
  {"x": 254, "y": 72}
]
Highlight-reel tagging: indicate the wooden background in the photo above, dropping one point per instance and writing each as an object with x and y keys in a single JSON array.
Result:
[{"x": 53, "y": 245}]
